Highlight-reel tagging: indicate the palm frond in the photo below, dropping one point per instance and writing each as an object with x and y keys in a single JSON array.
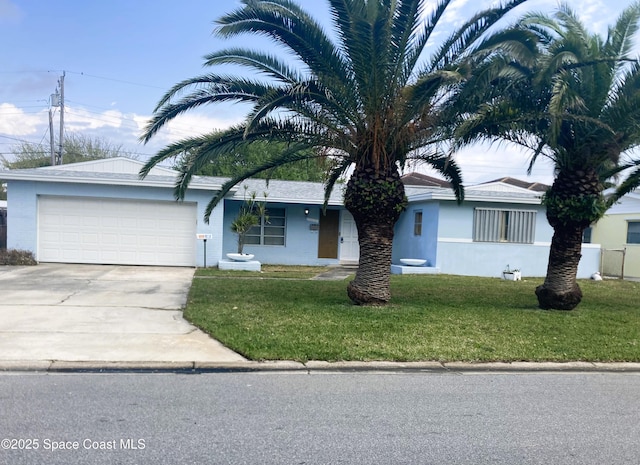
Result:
[
  {"x": 406, "y": 41},
  {"x": 209, "y": 89},
  {"x": 621, "y": 36},
  {"x": 334, "y": 175},
  {"x": 289, "y": 25},
  {"x": 631, "y": 182},
  {"x": 265, "y": 63},
  {"x": 294, "y": 153},
  {"x": 446, "y": 166},
  {"x": 463, "y": 39}
]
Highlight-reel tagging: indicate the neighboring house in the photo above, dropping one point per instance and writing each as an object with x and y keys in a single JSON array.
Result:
[
  {"x": 618, "y": 232},
  {"x": 501, "y": 223},
  {"x": 3, "y": 224},
  {"x": 101, "y": 212}
]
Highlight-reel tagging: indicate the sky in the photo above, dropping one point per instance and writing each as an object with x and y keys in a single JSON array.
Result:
[{"x": 120, "y": 56}]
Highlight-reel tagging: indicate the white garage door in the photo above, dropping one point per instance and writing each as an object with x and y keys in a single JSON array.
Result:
[{"x": 115, "y": 231}]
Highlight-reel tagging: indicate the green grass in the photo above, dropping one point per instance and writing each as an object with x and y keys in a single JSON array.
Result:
[{"x": 433, "y": 317}]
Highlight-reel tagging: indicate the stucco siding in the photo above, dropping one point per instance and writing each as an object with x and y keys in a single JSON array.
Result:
[
  {"x": 23, "y": 200},
  {"x": 457, "y": 220},
  {"x": 490, "y": 259},
  {"x": 301, "y": 238},
  {"x": 447, "y": 242},
  {"x": 21, "y": 216},
  {"x": 458, "y": 254},
  {"x": 424, "y": 246},
  {"x": 611, "y": 230}
]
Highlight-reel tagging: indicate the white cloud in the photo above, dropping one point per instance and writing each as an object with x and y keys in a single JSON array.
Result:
[
  {"x": 113, "y": 126},
  {"x": 485, "y": 162},
  {"x": 188, "y": 125},
  {"x": 77, "y": 119},
  {"x": 454, "y": 13},
  {"x": 15, "y": 122}
]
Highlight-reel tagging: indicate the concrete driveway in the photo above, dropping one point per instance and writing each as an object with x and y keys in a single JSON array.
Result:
[{"x": 100, "y": 313}]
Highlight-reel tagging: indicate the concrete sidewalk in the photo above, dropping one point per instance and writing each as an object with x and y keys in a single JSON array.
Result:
[{"x": 60, "y": 313}]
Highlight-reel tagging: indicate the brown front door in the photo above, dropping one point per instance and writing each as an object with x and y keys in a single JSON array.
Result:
[{"x": 328, "y": 234}]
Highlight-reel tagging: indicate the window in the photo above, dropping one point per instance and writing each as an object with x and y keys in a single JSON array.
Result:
[
  {"x": 270, "y": 232},
  {"x": 633, "y": 232},
  {"x": 492, "y": 225},
  {"x": 586, "y": 235},
  {"x": 417, "y": 223}
]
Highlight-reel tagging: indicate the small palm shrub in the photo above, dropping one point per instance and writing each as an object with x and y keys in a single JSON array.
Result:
[{"x": 17, "y": 257}]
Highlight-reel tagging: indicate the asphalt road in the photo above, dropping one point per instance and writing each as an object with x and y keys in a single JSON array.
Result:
[{"x": 320, "y": 418}]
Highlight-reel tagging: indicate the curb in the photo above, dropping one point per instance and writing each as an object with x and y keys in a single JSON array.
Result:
[{"x": 61, "y": 366}]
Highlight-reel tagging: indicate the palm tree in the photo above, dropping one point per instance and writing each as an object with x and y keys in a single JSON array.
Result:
[
  {"x": 369, "y": 99},
  {"x": 577, "y": 102}
]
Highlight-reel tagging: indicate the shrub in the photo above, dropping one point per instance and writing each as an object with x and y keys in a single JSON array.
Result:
[{"x": 17, "y": 257}]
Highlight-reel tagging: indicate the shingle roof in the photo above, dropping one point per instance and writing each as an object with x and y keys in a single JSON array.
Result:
[
  {"x": 278, "y": 190},
  {"x": 532, "y": 186},
  {"x": 288, "y": 191},
  {"x": 419, "y": 179},
  {"x": 418, "y": 186}
]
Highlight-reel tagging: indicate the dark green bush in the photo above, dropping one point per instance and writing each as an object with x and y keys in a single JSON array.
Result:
[{"x": 17, "y": 257}]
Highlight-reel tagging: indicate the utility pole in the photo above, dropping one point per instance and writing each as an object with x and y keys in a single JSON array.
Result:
[
  {"x": 57, "y": 100},
  {"x": 61, "y": 82},
  {"x": 51, "y": 138}
]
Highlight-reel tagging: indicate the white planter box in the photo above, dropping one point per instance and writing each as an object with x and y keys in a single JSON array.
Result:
[
  {"x": 512, "y": 275},
  {"x": 240, "y": 257},
  {"x": 250, "y": 265}
]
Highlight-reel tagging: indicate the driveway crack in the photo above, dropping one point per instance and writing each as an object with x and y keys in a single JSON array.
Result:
[{"x": 67, "y": 298}]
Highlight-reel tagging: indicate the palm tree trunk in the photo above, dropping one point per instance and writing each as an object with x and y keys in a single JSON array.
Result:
[
  {"x": 560, "y": 289},
  {"x": 572, "y": 204},
  {"x": 375, "y": 199},
  {"x": 371, "y": 285}
]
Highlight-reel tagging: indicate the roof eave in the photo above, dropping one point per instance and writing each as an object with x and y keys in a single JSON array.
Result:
[
  {"x": 104, "y": 181},
  {"x": 474, "y": 198}
]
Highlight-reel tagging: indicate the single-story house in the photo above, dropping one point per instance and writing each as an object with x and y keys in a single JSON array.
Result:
[
  {"x": 618, "y": 232},
  {"x": 101, "y": 212}
]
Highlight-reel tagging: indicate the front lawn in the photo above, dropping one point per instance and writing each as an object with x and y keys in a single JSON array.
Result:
[{"x": 431, "y": 317}]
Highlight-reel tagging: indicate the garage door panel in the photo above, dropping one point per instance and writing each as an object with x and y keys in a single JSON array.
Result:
[
  {"x": 113, "y": 231},
  {"x": 90, "y": 239},
  {"x": 71, "y": 237}
]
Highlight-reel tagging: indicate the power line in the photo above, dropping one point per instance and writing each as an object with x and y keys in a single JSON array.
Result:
[
  {"x": 16, "y": 139},
  {"x": 80, "y": 73}
]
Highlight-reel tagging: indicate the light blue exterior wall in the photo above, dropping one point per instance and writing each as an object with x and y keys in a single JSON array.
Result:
[
  {"x": 301, "y": 238},
  {"x": 406, "y": 244},
  {"x": 490, "y": 259},
  {"x": 451, "y": 248},
  {"x": 446, "y": 240},
  {"x": 22, "y": 214},
  {"x": 457, "y": 220}
]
